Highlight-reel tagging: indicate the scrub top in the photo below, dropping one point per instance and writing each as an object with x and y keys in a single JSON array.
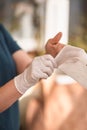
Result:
[{"x": 9, "y": 119}]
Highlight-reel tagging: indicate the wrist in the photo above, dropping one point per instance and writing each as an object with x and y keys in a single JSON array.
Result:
[{"x": 20, "y": 84}]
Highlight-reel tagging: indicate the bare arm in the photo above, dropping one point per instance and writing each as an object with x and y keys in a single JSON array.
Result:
[
  {"x": 22, "y": 60},
  {"x": 8, "y": 92},
  {"x": 8, "y": 95},
  {"x": 11, "y": 91}
]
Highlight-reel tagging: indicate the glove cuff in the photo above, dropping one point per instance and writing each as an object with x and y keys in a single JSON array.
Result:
[{"x": 20, "y": 84}]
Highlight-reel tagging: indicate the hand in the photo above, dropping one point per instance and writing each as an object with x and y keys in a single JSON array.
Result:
[
  {"x": 53, "y": 46},
  {"x": 41, "y": 68}
]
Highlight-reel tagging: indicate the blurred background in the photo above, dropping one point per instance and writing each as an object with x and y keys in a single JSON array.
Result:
[{"x": 32, "y": 23}]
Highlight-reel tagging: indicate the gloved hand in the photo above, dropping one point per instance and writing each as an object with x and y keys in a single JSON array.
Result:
[
  {"x": 41, "y": 68},
  {"x": 68, "y": 53},
  {"x": 73, "y": 62}
]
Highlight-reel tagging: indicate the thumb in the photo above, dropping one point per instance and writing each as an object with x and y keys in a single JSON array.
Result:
[{"x": 57, "y": 38}]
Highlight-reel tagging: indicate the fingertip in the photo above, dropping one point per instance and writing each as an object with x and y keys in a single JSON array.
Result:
[
  {"x": 60, "y": 33},
  {"x": 58, "y": 36}
]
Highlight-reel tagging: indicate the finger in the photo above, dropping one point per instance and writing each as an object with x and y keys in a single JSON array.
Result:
[
  {"x": 50, "y": 61},
  {"x": 57, "y": 38},
  {"x": 44, "y": 75},
  {"x": 59, "y": 47},
  {"x": 54, "y": 40},
  {"x": 48, "y": 71}
]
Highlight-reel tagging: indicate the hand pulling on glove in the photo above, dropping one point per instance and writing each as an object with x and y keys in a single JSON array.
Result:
[{"x": 41, "y": 68}]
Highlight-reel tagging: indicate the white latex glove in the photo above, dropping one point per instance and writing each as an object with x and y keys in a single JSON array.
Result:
[
  {"x": 75, "y": 65},
  {"x": 68, "y": 52},
  {"x": 41, "y": 68}
]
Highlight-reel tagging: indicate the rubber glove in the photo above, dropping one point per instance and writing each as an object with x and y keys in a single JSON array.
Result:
[
  {"x": 73, "y": 62},
  {"x": 67, "y": 53},
  {"x": 41, "y": 68}
]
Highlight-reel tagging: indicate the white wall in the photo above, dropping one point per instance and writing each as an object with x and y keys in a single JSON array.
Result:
[{"x": 57, "y": 19}]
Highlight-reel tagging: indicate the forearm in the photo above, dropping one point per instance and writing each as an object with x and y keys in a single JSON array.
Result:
[
  {"x": 12, "y": 90},
  {"x": 22, "y": 60},
  {"x": 8, "y": 95}
]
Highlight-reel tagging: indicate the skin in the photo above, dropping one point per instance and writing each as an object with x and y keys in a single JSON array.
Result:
[
  {"x": 53, "y": 46},
  {"x": 62, "y": 108},
  {"x": 38, "y": 112},
  {"x": 7, "y": 98}
]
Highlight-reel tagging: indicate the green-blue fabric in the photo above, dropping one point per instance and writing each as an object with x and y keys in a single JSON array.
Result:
[{"x": 9, "y": 119}]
